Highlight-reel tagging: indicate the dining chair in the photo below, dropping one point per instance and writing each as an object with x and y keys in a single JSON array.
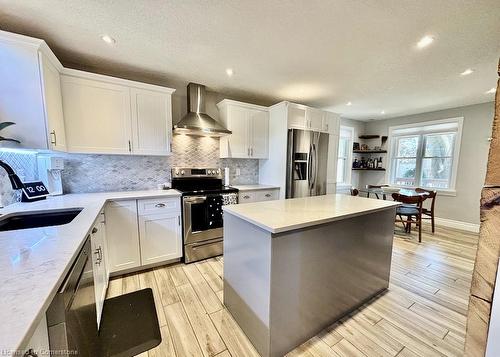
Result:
[
  {"x": 428, "y": 213},
  {"x": 376, "y": 194},
  {"x": 354, "y": 192},
  {"x": 412, "y": 207}
]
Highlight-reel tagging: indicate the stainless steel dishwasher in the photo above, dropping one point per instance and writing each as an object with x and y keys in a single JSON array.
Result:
[{"x": 71, "y": 317}]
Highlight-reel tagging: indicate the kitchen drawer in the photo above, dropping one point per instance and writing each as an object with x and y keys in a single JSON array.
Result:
[
  {"x": 267, "y": 195},
  {"x": 247, "y": 196},
  {"x": 158, "y": 205},
  {"x": 203, "y": 250}
]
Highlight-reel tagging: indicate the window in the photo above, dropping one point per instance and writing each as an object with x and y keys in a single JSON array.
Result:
[
  {"x": 344, "y": 156},
  {"x": 425, "y": 154}
]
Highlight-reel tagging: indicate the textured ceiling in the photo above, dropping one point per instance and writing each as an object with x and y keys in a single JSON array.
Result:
[{"x": 323, "y": 53}]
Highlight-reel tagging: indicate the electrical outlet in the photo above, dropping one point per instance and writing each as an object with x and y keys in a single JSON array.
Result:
[{"x": 238, "y": 171}]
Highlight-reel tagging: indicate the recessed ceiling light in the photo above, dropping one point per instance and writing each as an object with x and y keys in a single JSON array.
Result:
[
  {"x": 108, "y": 39},
  {"x": 229, "y": 72},
  {"x": 349, "y": 104},
  {"x": 425, "y": 41},
  {"x": 382, "y": 112},
  {"x": 491, "y": 91},
  {"x": 467, "y": 72}
]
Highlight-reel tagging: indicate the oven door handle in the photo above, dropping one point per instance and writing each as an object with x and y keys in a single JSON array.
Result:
[
  {"x": 195, "y": 199},
  {"x": 204, "y": 244}
]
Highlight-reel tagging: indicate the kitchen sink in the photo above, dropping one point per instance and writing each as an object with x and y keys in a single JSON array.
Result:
[{"x": 26, "y": 220}]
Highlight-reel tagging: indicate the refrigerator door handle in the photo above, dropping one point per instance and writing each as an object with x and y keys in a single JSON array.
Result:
[
  {"x": 316, "y": 167},
  {"x": 315, "y": 170},
  {"x": 309, "y": 167},
  {"x": 290, "y": 164}
]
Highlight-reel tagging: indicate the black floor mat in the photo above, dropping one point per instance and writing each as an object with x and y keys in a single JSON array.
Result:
[{"x": 129, "y": 324}]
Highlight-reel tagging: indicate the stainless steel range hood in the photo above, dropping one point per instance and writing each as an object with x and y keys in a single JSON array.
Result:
[{"x": 196, "y": 121}]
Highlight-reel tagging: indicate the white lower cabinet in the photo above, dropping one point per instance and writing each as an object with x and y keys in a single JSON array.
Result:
[
  {"x": 100, "y": 268},
  {"x": 143, "y": 232},
  {"x": 258, "y": 195},
  {"x": 123, "y": 235},
  {"x": 159, "y": 236}
]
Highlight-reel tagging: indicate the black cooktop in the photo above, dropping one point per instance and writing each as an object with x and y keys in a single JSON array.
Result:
[{"x": 201, "y": 185}]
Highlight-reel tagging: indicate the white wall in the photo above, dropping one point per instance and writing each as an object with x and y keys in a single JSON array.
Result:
[
  {"x": 359, "y": 127},
  {"x": 474, "y": 148}
]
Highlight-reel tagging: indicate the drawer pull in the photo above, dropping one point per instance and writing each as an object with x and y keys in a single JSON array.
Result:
[
  {"x": 268, "y": 195},
  {"x": 246, "y": 197},
  {"x": 159, "y": 205}
]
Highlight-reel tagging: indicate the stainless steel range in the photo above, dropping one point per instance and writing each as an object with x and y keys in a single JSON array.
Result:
[{"x": 203, "y": 195}]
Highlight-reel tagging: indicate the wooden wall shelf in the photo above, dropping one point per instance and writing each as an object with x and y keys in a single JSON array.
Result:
[
  {"x": 369, "y": 151},
  {"x": 362, "y": 169}
]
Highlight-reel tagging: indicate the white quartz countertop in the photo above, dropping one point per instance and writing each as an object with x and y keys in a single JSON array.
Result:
[
  {"x": 286, "y": 215},
  {"x": 254, "y": 187},
  {"x": 34, "y": 262}
]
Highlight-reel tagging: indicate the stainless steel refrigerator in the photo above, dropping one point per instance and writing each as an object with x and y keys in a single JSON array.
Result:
[{"x": 307, "y": 156}]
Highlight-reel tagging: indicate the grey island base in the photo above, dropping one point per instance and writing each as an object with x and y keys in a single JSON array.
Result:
[{"x": 293, "y": 267}]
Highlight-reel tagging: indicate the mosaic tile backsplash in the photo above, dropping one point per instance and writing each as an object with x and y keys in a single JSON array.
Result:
[{"x": 98, "y": 173}]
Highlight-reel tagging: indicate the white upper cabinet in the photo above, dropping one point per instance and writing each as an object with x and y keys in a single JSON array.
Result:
[
  {"x": 30, "y": 93},
  {"x": 235, "y": 118},
  {"x": 106, "y": 115},
  {"x": 332, "y": 125},
  {"x": 259, "y": 133},
  {"x": 151, "y": 122},
  {"x": 51, "y": 83},
  {"x": 306, "y": 118},
  {"x": 315, "y": 119},
  {"x": 56, "y": 108},
  {"x": 249, "y": 124},
  {"x": 97, "y": 116},
  {"x": 296, "y": 116}
]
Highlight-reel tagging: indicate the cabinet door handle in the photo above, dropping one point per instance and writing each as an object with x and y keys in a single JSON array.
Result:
[
  {"x": 94, "y": 230},
  {"x": 99, "y": 256},
  {"x": 54, "y": 136},
  {"x": 251, "y": 152},
  {"x": 268, "y": 195},
  {"x": 129, "y": 146},
  {"x": 248, "y": 151},
  {"x": 159, "y": 205},
  {"x": 246, "y": 197}
]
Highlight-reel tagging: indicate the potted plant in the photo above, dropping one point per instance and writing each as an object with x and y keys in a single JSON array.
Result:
[{"x": 4, "y": 125}]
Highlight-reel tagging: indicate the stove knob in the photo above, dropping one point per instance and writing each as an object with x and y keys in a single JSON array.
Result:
[
  {"x": 210, "y": 172},
  {"x": 218, "y": 171},
  {"x": 176, "y": 173},
  {"x": 182, "y": 172}
]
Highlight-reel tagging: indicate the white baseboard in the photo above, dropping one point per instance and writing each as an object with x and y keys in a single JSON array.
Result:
[{"x": 464, "y": 226}]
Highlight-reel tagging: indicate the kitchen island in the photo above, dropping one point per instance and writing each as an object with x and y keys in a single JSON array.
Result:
[{"x": 293, "y": 267}]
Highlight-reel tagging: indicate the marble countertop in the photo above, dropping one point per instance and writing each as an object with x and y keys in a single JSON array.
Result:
[
  {"x": 34, "y": 262},
  {"x": 286, "y": 215},
  {"x": 254, "y": 187}
]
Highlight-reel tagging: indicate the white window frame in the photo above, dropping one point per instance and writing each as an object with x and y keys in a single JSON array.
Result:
[
  {"x": 350, "y": 135},
  {"x": 451, "y": 191}
]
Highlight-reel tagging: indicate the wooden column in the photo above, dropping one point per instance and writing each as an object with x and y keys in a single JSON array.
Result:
[{"x": 488, "y": 253}]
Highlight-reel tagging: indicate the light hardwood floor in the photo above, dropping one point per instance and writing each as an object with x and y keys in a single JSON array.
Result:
[{"x": 422, "y": 314}]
